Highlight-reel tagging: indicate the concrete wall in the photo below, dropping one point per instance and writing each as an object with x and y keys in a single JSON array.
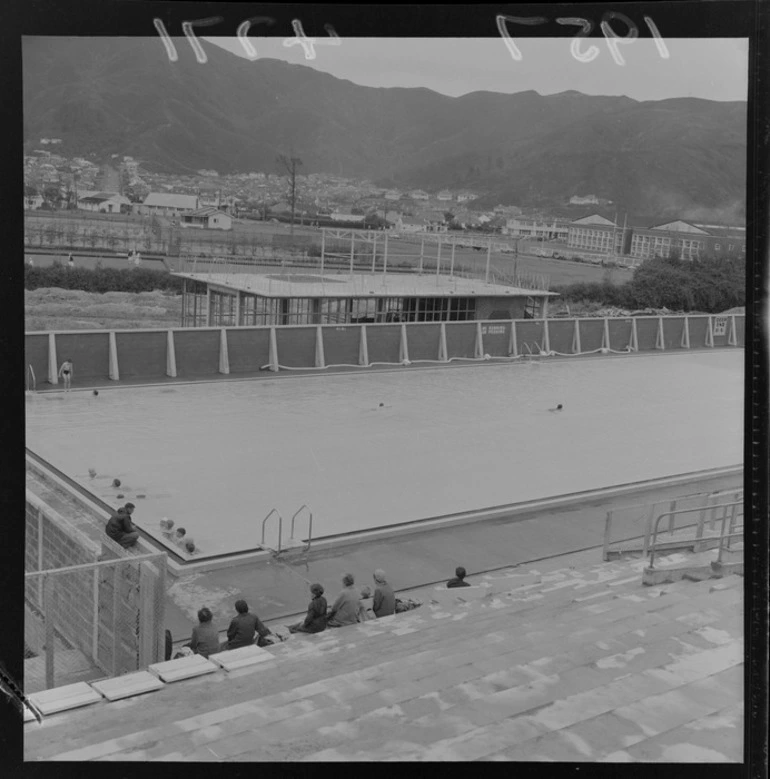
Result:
[{"x": 199, "y": 352}]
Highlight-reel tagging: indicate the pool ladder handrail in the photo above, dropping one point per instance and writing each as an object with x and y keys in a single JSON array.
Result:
[
  {"x": 280, "y": 527},
  {"x": 310, "y": 525}
]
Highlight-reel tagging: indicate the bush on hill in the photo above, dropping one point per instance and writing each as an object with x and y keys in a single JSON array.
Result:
[
  {"x": 708, "y": 284},
  {"x": 100, "y": 279}
]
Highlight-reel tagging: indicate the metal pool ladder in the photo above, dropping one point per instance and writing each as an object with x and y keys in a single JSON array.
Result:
[{"x": 293, "y": 542}]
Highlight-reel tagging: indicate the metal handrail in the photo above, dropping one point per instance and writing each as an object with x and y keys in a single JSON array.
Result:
[
  {"x": 310, "y": 524},
  {"x": 682, "y": 511},
  {"x": 723, "y": 535},
  {"x": 280, "y": 527},
  {"x": 737, "y": 494}
]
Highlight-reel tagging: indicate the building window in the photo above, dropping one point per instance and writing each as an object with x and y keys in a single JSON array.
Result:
[{"x": 717, "y": 246}]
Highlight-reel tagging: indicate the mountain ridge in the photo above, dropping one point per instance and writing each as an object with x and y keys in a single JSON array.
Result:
[{"x": 683, "y": 155}]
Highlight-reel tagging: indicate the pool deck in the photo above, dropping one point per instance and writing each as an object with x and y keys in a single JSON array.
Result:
[{"x": 278, "y": 590}]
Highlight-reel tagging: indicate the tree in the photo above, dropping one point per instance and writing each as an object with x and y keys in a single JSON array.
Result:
[{"x": 290, "y": 164}]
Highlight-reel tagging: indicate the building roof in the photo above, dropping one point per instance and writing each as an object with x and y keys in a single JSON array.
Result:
[
  {"x": 171, "y": 200},
  {"x": 309, "y": 285},
  {"x": 594, "y": 219},
  {"x": 679, "y": 226},
  {"x": 208, "y": 211}
]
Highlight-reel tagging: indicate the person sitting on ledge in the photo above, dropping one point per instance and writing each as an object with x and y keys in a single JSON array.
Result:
[
  {"x": 205, "y": 637},
  {"x": 364, "y": 608},
  {"x": 459, "y": 581},
  {"x": 384, "y": 597},
  {"x": 315, "y": 621},
  {"x": 243, "y": 627},
  {"x": 179, "y": 537},
  {"x": 166, "y": 526},
  {"x": 344, "y": 610},
  {"x": 120, "y": 528}
]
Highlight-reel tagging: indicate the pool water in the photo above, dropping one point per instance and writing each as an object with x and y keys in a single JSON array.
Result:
[{"x": 217, "y": 457}]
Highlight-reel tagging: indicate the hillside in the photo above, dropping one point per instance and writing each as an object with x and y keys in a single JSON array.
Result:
[{"x": 123, "y": 95}]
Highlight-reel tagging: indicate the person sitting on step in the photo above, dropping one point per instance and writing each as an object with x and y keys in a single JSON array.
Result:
[
  {"x": 243, "y": 627},
  {"x": 315, "y": 620},
  {"x": 344, "y": 610},
  {"x": 205, "y": 636},
  {"x": 384, "y": 597}
]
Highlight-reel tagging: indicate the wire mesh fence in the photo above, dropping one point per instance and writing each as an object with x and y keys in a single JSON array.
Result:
[{"x": 100, "y": 617}]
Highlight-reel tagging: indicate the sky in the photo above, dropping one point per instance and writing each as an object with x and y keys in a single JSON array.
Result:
[{"x": 714, "y": 68}]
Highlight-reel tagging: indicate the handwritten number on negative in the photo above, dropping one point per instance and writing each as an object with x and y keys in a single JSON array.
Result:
[{"x": 586, "y": 27}]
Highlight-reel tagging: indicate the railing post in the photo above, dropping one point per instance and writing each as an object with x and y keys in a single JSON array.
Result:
[
  {"x": 114, "y": 372},
  {"x": 170, "y": 355},
  {"x": 513, "y": 347},
  {"x": 224, "y": 357},
  {"x": 115, "y": 588},
  {"x": 363, "y": 348},
  {"x": 95, "y": 616},
  {"x": 672, "y": 509},
  {"x": 648, "y": 531},
  {"x": 606, "y": 548},
  {"x": 686, "y": 333},
  {"x": 546, "y": 338},
  {"x": 403, "y": 347},
  {"x": 576, "y": 346},
  {"x": 53, "y": 366},
  {"x": 273, "y": 350},
  {"x": 323, "y": 248},
  {"x": 478, "y": 350},
  {"x": 49, "y": 610},
  {"x": 442, "y": 353},
  {"x": 732, "y": 338},
  {"x": 710, "y": 333},
  {"x": 633, "y": 346},
  {"x": 320, "y": 361},
  {"x": 660, "y": 341}
]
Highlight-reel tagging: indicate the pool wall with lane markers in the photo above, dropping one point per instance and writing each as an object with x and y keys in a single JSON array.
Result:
[
  {"x": 189, "y": 353},
  {"x": 217, "y": 457}
]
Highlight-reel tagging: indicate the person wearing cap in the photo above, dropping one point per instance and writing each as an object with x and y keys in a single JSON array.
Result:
[
  {"x": 120, "y": 528},
  {"x": 384, "y": 601},
  {"x": 459, "y": 581},
  {"x": 315, "y": 620}
]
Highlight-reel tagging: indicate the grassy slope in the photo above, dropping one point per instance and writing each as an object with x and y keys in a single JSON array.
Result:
[{"x": 61, "y": 309}]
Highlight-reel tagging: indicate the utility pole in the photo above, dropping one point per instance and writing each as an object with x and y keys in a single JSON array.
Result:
[{"x": 291, "y": 164}]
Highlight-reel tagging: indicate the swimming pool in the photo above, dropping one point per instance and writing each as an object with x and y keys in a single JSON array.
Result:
[{"x": 216, "y": 457}]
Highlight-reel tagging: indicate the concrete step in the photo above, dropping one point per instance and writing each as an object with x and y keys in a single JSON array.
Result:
[{"x": 425, "y": 681}]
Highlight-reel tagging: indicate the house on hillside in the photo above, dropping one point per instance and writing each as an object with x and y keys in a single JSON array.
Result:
[
  {"x": 464, "y": 197},
  {"x": 169, "y": 204},
  {"x": 418, "y": 194},
  {"x": 392, "y": 194},
  {"x": 207, "y": 218},
  {"x": 104, "y": 202},
  {"x": 444, "y": 195},
  {"x": 33, "y": 201}
]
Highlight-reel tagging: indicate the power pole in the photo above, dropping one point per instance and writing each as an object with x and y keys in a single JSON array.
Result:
[{"x": 291, "y": 164}]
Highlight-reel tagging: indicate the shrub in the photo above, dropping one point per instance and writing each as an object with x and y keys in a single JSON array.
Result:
[{"x": 100, "y": 279}]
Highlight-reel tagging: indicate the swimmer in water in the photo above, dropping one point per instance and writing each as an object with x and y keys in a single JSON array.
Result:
[
  {"x": 65, "y": 372},
  {"x": 558, "y": 408}
]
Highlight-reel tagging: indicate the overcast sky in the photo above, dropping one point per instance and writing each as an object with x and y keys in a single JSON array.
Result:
[{"x": 714, "y": 68}]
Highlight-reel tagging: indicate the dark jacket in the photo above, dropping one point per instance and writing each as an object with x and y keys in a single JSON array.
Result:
[
  {"x": 205, "y": 639},
  {"x": 457, "y": 583},
  {"x": 242, "y": 629},
  {"x": 384, "y": 602},
  {"x": 315, "y": 621},
  {"x": 118, "y": 525}
]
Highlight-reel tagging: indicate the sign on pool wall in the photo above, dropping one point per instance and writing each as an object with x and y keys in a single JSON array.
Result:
[{"x": 720, "y": 325}]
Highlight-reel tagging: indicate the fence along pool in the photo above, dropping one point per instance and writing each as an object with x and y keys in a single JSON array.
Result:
[{"x": 100, "y": 355}]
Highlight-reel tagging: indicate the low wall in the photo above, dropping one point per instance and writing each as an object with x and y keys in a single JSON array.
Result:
[{"x": 200, "y": 352}]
